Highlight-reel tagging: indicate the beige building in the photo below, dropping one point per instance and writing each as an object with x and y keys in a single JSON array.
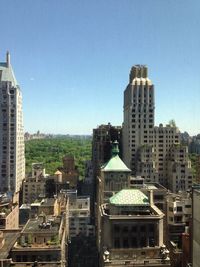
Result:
[
  {"x": 42, "y": 240},
  {"x": 12, "y": 160},
  {"x": 34, "y": 185},
  {"x": 129, "y": 225},
  {"x": 9, "y": 212},
  {"x": 79, "y": 215},
  {"x": 138, "y": 115},
  {"x": 159, "y": 191},
  {"x": 69, "y": 172},
  {"x": 179, "y": 171},
  {"x": 178, "y": 215},
  {"x": 131, "y": 231},
  {"x": 146, "y": 147}
]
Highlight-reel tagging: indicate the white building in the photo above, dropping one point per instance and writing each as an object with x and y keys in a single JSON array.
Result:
[
  {"x": 79, "y": 215},
  {"x": 146, "y": 147},
  {"x": 178, "y": 215},
  {"x": 12, "y": 160},
  {"x": 138, "y": 114}
]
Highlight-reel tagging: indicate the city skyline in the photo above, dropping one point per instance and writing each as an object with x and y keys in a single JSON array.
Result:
[{"x": 72, "y": 60}]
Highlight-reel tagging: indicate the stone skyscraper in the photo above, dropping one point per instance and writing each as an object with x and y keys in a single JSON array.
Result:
[
  {"x": 153, "y": 152},
  {"x": 138, "y": 114},
  {"x": 12, "y": 160}
]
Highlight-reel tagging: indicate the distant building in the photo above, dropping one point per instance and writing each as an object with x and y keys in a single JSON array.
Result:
[
  {"x": 194, "y": 146},
  {"x": 36, "y": 136},
  {"x": 69, "y": 172},
  {"x": 12, "y": 160}
]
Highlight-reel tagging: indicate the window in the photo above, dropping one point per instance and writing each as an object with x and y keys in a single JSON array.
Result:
[
  {"x": 125, "y": 243},
  {"x": 117, "y": 243},
  {"x": 117, "y": 228},
  {"x": 134, "y": 242}
]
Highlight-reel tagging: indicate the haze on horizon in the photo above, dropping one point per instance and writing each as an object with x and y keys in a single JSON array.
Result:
[{"x": 72, "y": 60}]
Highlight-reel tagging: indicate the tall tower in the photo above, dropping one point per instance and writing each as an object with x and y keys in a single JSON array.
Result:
[
  {"x": 12, "y": 160},
  {"x": 138, "y": 114}
]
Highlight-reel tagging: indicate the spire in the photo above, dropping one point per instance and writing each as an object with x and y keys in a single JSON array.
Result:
[
  {"x": 8, "y": 59},
  {"x": 115, "y": 148}
]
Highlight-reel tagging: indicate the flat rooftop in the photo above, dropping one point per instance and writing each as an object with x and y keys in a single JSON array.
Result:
[{"x": 51, "y": 225}]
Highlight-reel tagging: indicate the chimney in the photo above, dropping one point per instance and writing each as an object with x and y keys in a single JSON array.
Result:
[
  {"x": 8, "y": 59},
  {"x": 151, "y": 198}
]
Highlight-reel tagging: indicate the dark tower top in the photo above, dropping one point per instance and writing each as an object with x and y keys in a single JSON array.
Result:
[{"x": 138, "y": 71}]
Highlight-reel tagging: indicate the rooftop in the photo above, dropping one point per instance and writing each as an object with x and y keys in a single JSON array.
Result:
[
  {"x": 129, "y": 197},
  {"x": 38, "y": 225},
  {"x": 6, "y": 71},
  {"x": 10, "y": 238},
  {"x": 46, "y": 202}
]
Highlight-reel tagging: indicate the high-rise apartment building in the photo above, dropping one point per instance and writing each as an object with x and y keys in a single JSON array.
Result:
[
  {"x": 12, "y": 160},
  {"x": 149, "y": 150},
  {"x": 138, "y": 115}
]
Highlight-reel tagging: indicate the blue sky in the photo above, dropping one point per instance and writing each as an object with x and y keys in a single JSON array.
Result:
[{"x": 72, "y": 59}]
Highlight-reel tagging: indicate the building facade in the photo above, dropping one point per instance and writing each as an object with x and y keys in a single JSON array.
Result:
[
  {"x": 196, "y": 227},
  {"x": 12, "y": 160},
  {"x": 79, "y": 215},
  {"x": 35, "y": 184},
  {"x": 178, "y": 215},
  {"x": 9, "y": 212}
]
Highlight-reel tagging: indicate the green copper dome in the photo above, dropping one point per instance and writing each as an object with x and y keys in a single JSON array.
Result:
[
  {"x": 115, "y": 164},
  {"x": 129, "y": 197}
]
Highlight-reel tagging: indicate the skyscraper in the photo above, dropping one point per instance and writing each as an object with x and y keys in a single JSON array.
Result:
[
  {"x": 153, "y": 152},
  {"x": 138, "y": 114},
  {"x": 12, "y": 160}
]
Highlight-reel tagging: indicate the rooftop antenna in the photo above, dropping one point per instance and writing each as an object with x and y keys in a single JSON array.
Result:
[{"x": 8, "y": 59}]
